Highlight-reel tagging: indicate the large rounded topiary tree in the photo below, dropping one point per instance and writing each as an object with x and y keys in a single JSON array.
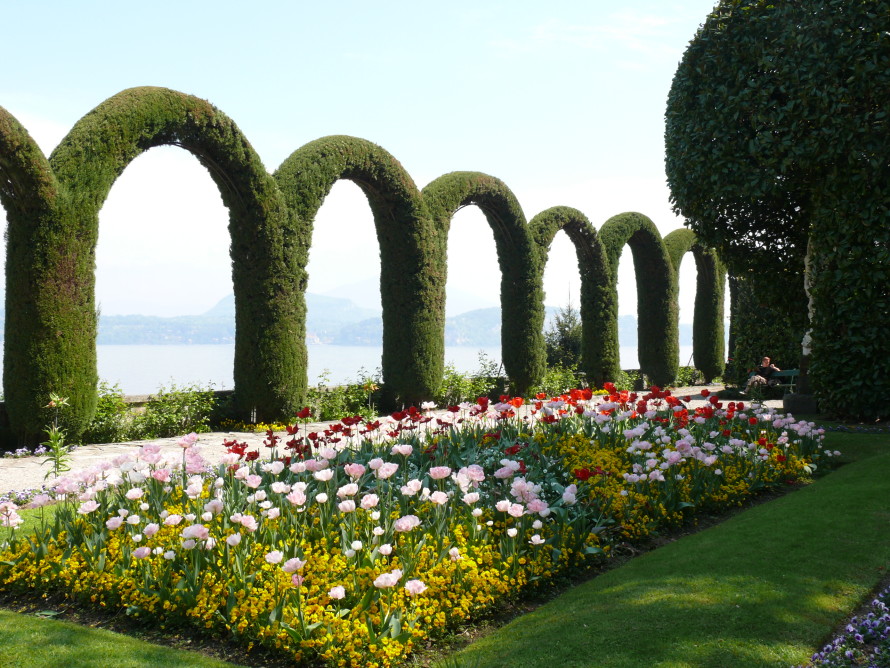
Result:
[{"x": 777, "y": 146}]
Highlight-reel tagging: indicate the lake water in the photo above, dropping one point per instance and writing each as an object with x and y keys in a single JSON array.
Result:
[{"x": 143, "y": 369}]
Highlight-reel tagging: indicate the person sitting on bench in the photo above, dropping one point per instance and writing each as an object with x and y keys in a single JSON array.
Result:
[{"x": 762, "y": 375}]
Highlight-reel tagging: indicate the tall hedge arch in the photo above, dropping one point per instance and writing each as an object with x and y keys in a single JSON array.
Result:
[
  {"x": 708, "y": 344},
  {"x": 412, "y": 273},
  {"x": 35, "y": 334},
  {"x": 522, "y": 292},
  {"x": 600, "y": 358},
  {"x": 657, "y": 341},
  {"x": 61, "y": 254}
]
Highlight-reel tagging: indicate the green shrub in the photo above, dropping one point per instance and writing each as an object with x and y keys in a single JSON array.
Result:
[
  {"x": 113, "y": 421},
  {"x": 458, "y": 386},
  {"x": 557, "y": 380},
  {"x": 175, "y": 411},
  {"x": 688, "y": 376},
  {"x": 630, "y": 379},
  {"x": 329, "y": 402}
]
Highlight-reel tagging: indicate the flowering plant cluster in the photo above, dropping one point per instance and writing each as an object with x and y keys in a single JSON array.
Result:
[
  {"x": 353, "y": 544},
  {"x": 865, "y": 640}
]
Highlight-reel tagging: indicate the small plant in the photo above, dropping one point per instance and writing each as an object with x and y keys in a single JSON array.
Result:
[
  {"x": 687, "y": 376},
  {"x": 175, "y": 411},
  {"x": 113, "y": 421},
  {"x": 336, "y": 402},
  {"x": 58, "y": 453},
  {"x": 557, "y": 380},
  {"x": 629, "y": 379}
]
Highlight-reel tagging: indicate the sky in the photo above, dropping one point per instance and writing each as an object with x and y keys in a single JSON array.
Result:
[{"x": 563, "y": 101}]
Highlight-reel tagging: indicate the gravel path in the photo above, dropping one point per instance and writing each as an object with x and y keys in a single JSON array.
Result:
[{"x": 17, "y": 474}]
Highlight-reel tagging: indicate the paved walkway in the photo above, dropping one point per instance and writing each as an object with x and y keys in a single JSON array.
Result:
[{"x": 29, "y": 472}]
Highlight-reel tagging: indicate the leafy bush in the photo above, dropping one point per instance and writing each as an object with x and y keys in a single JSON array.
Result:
[
  {"x": 175, "y": 411},
  {"x": 630, "y": 379},
  {"x": 336, "y": 402},
  {"x": 557, "y": 380},
  {"x": 688, "y": 376},
  {"x": 457, "y": 386},
  {"x": 113, "y": 421}
]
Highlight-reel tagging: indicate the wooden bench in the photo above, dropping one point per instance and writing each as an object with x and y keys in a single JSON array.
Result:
[{"x": 787, "y": 379}]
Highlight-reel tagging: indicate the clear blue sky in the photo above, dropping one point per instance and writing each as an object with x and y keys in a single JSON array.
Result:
[{"x": 563, "y": 101}]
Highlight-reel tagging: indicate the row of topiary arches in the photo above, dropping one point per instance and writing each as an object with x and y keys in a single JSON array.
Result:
[{"x": 53, "y": 208}]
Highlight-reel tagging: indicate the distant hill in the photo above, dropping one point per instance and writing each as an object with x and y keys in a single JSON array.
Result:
[
  {"x": 325, "y": 318},
  {"x": 331, "y": 320},
  {"x": 457, "y": 302}
]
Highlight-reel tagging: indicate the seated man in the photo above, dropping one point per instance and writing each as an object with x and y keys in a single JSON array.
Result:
[{"x": 762, "y": 374}]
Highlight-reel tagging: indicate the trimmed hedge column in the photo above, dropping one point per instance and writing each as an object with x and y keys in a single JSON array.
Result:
[
  {"x": 600, "y": 359},
  {"x": 412, "y": 272},
  {"x": 41, "y": 350},
  {"x": 522, "y": 292},
  {"x": 657, "y": 344},
  {"x": 708, "y": 345}
]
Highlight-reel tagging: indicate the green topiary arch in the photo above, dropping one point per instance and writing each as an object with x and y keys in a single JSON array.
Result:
[
  {"x": 708, "y": 342},
  {"x": 53, "y": 206},
  {"x": 411, "y": 274},
  {"x": 522, "y": 292},
  {"x": 600, "y": 359},
  {"x": 656, "y": 292},
  {"x": 51, "y": 341}
]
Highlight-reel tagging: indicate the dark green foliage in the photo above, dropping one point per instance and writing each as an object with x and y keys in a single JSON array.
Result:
[
  {"x": 113, "y": 421},
  {"x": 329, "y": 402},
  {"x": 175, "y": 411},
  {"x": 769, "y": 320},
  {"x": 522, "y": 293},
  {"x": 850, "y": 368},
  {"x": 776, "y": 137},
  {"x": 600, "y": 359},
  {"x": 707, "y": 327},
  {"x": 412, "y": 270},
  {"x": 688, "y": 376},
  {"x": 47, "y": 317},
  {"x": 563, "y": 339},
  {"x": 558, "y": 380},
  {"x": 458, "y": 387},
  {"x": 657, "y": 341}
]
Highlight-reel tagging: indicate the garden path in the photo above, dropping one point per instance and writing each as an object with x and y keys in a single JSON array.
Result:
[{"x": 26, "y": 473}]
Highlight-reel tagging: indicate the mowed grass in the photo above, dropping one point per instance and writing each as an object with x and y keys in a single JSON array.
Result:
[
  {"x": 29, "y": 641},
  {"x": 765, "y": 588}
]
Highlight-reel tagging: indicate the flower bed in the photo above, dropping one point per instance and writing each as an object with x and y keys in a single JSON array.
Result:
[{"x": 354, "y": 544}]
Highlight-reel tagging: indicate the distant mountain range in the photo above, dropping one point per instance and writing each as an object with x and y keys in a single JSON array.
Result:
[{"x": 330, "y": 320}]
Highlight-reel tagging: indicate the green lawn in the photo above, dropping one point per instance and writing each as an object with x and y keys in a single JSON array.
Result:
[
  {"x": 28, "y": 641},
  {"x": 765, "y": 588}
]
